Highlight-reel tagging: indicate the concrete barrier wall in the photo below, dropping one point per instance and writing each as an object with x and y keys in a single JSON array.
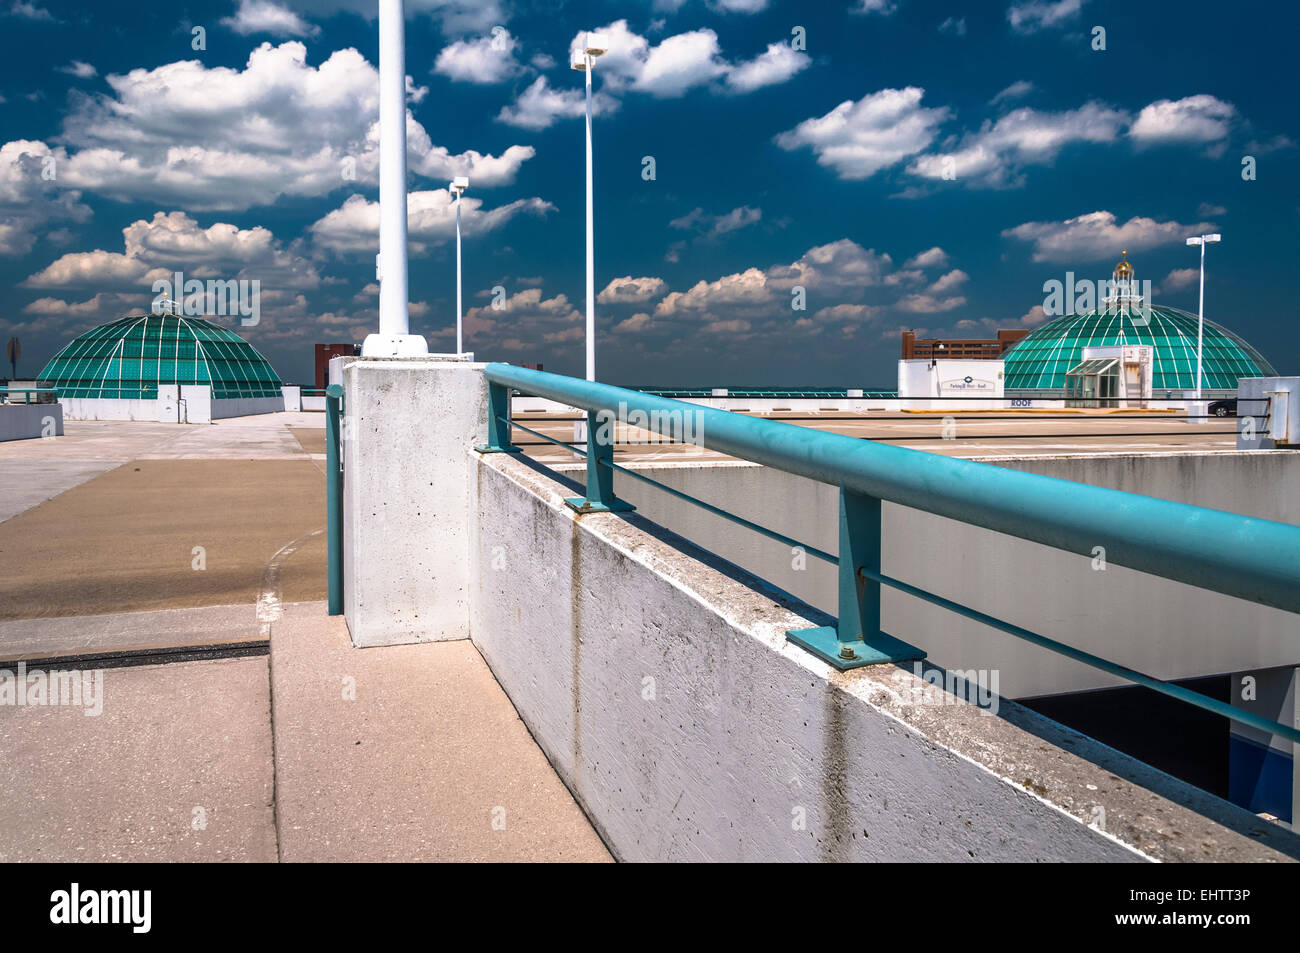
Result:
[
  {"x": 94, "y": 408},
  {"x": 407, "y": 522},
  {"x": 658, "y": 681},
  {"x": 27, "y": 421},
  {"x": 200, "y": 407},
  {"x": 245, "y": 407},
  {"x": 1160, "y": 627}
]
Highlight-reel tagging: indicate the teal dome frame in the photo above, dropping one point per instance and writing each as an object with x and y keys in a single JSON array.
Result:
[
  {"x": 127, "y": 359},
  {"x": 1041, "y": 359}
]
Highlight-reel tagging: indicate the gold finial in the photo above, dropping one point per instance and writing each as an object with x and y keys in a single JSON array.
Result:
[{"x": 1124, "y": 269}]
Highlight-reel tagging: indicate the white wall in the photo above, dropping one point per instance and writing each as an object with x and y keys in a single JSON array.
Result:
[
  {"x": 94, "y": 408},
  {"x": 659, "y": 683},
  {"x": 245, "y": 407},
  {"x": 199, "y": 407},
  {"x": 197, "y": 403},
  {"x": 25, "y": 421},
  {"x": 408, "y": 424}
]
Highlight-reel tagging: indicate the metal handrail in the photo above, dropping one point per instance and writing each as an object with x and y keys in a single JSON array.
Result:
[
  {"x": 334, "y": 497},
  {"x": 1240, "y": 556},
  {"x": 29, "y": 391},
  {"x": 1253, "y": 559}
]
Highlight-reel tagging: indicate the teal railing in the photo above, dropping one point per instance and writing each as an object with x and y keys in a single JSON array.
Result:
[
  {"x": 27, "y": 393},
  {"x": 1252, "y": 559},
  {"x": 334, "y": 496}
]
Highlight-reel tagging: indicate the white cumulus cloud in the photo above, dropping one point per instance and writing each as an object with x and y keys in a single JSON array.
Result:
[
  {"x": 216, "y": 138},
  {"x": 353, "y": 228},
  {"x": 266, "y": 16},
  {"x": 1099, "y": 235},
  {"x": 484, "y": 60},
  {"x": 1193, "y": 119},
  {"x": 859, "y": 138}
]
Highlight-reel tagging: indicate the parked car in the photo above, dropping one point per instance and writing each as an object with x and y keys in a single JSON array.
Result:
[{"x": 1223, "y": 408}]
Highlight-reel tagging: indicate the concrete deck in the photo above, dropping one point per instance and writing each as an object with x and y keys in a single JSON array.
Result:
[
  {"x": 408, "y": 752},
  {"x": 236, "y": 759},
  {"x": 178, "y": 767},
  {"x": 126, "y": 540},
  {"x": 427, "y": 760},
  {"x": 76, "y": 637}
]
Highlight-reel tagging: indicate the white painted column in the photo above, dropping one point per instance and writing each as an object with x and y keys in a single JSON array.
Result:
[
  {"x": 408, "y": 507},
  {"x": 460, "y": 345},
  {"x": 394, "y": 337},
  {"x": 591, "y": 254}
]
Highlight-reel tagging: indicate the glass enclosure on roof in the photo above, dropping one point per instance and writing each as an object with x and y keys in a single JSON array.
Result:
[
  {"x": 129, "y": 358},
  {"x": 1093, "y": 383},
  {"x": 1042, "y": 359}
]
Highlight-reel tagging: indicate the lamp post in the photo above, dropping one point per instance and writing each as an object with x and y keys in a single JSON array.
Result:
[
  {"x": 457, "y": 187},
  {"x": 593, "y": 47},
  {"x": 394, "y": 337},
  {"x": 1201, "y": 240}
]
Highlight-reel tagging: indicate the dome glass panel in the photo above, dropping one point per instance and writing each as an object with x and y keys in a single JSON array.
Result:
[
  {"x": 1041, "y": 359},
  {"x": 127, "y": 359}
]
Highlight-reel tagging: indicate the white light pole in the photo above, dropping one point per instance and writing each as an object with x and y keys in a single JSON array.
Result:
[
  {"x": 394, "y": 338},
  {"x": 586, "y": 61},
  {"x": 457, "y": 187},
  {"x": 1201, "y": 240}
]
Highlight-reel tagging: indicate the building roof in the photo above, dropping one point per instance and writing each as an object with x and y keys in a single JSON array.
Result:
[
  {"x": 130, "y": 357},
  {"x": 1041, "y": 359}
]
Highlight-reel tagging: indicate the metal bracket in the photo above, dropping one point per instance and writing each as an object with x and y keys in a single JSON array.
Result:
[
  {"x": 856, "y": 639},
  {"x": 600, "y": 496},
  {"x": 498, "y": 435}
]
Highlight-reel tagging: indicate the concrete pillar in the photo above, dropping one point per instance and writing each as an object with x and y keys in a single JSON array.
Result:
[{"x": 408, "y": 430}]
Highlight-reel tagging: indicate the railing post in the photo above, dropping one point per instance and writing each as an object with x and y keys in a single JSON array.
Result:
[
  {"x": 498, "y": 425},
  {"x": 856, "y": 639},
  {"x": 600, "y": 473},
  {"x": 334, "y": 497}
]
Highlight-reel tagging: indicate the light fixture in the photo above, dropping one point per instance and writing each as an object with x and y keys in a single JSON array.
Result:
[
  {"x": 594, "y": 45},
  {"x": 457, "y": 187},
  {"x": 1202, "y": 241}
]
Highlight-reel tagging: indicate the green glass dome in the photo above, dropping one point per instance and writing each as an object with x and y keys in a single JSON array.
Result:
[
  {"x": 1040, "y": 360},
  {"x": 129, "y": 358}
]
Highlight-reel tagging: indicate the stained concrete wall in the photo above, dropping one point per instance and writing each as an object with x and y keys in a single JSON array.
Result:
[
  {"x": 93, "y": 408},
  {"x": 245, "y": 407},
  {"x": 200, "y": 407},
  {"x": 406, "y": 529},
  {"x": 658, "y": 681},
  {"x": 1160, "y": 627},
  {"x": 25, "y": 421}
]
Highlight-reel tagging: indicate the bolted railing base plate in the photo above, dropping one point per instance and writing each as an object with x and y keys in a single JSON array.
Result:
[
  {"x": 488, "y": 448},
  {"x": 582, "y": 505},
  {"x": 824, "y": 642}
]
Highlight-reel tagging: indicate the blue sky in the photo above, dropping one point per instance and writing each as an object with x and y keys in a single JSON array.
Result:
[{"x": 915, "y": 165}]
